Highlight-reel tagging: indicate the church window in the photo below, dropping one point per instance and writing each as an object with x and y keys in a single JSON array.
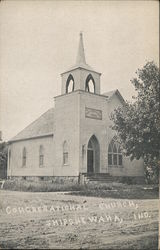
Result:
[
  {"x": 114, "y": 154},
  {"x": 90, "y": 84},
  {"x": 90, "y": 145},
  {"x": 24, "y": 157},
  {"x": 41, "y": 156},
  {"x": 65, "y": 153},
  {"x": 70, "y": 84}
]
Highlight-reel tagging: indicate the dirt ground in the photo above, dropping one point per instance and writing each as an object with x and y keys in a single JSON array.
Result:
[{"x": 63, "y": 221}]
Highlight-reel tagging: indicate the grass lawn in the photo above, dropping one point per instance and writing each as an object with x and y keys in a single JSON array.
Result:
[
  {"x": 121, "y": 191},
  {"x": 110, "y": 190}
]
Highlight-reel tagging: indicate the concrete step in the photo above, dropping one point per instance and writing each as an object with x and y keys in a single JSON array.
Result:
[
  {"x": 98, "y": 177},
  {"x": 96, "y": 174},
  {"x": 107, "y": 179},
  {"x": 100, "y": 181},
  {"x": 104, "y": 180}
]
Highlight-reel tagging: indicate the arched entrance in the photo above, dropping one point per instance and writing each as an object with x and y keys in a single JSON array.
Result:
[{"x": 93, "y": 155}]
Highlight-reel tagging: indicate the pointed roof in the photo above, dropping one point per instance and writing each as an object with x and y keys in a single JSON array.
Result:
[
  {"x": 43, "y": 126},
  {"x": 81, "y": 55},
  {"x": 109, "y": 94},
  {"x": 81, "y": 60}
]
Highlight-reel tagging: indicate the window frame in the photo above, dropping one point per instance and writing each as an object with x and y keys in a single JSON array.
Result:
[
  {"x": 41, "y": 156},
  {"x": 88, "y": 79},
  {"x": 65, "y": 154},
  {"x": 69, "y": 79},
  {"x": 114, "y": 157},
  {"x": 24, "y": 157}
]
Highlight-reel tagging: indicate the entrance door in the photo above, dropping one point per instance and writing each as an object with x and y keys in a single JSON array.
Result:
[
  {"x": 93, "y": 156},
  {"x": 90, "y": 161}
]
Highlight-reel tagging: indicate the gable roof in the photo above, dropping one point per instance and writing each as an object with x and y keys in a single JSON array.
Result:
[
  {"x": 114, "y": 92},
  {"x": 42, "y": 126}
]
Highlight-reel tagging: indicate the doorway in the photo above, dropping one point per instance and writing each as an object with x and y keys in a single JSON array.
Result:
[{"x": 93, "y": 155}]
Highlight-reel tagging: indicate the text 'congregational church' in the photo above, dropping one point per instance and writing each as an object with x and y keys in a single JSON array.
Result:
[{"x": 74, "y": 138}]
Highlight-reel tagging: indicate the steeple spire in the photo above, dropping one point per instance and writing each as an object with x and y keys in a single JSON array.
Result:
[
  {"x": 81, "y": 56},
  {"x": 80, "y": 60}
]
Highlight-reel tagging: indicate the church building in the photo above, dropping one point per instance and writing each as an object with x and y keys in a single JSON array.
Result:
[{"x": 74, "y": 138}]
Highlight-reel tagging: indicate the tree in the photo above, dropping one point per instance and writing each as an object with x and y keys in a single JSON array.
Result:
[{"x": 138, "y": 123}]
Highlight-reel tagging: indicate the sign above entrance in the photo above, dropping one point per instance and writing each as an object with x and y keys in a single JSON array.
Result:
[{"x": 93, "y": 113}]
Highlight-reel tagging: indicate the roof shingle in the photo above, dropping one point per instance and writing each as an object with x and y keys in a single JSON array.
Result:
[{"x": 41, "y": 126}]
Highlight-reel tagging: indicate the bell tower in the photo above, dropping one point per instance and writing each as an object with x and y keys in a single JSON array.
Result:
[
  {"x": 80, "y": 95},
  {"x": 81, "y": 76}
]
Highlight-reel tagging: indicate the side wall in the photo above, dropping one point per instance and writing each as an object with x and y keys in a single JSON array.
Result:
[
  {"x": 129, "y": 168},
  {"x": 32, "y": 167}
]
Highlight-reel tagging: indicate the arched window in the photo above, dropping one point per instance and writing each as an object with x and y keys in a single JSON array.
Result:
[
  {"x": 65, "y": 153},
  {"x": 24, "y": 157},
  {"x": 90, "y": 146},
  {"x": 114, "y": 154},
  {"x": 90, "y": 84},
  {"x": 41, "y": 156},
  {"x": 70, "y": 84}
]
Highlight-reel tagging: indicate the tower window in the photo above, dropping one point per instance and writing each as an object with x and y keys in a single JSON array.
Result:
[
  {"x": 90, "y": 84},
  {"x": 70, "y": 84},
  {"x": 114, "y": 154}
]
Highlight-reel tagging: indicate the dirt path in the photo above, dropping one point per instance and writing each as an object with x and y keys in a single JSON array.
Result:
[{"x": 58, "y": 220}]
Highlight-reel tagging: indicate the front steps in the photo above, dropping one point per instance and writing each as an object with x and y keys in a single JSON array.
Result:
[{"x": 98, "y": 177}]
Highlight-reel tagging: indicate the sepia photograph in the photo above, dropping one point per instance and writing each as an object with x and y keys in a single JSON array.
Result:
[{"x": 79, "y": 124}]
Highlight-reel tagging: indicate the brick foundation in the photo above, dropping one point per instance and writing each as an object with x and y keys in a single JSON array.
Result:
[{"x": 79, "y": 179}]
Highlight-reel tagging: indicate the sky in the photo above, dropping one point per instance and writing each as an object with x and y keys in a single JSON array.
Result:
[{"x": 39, "y": 41}]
